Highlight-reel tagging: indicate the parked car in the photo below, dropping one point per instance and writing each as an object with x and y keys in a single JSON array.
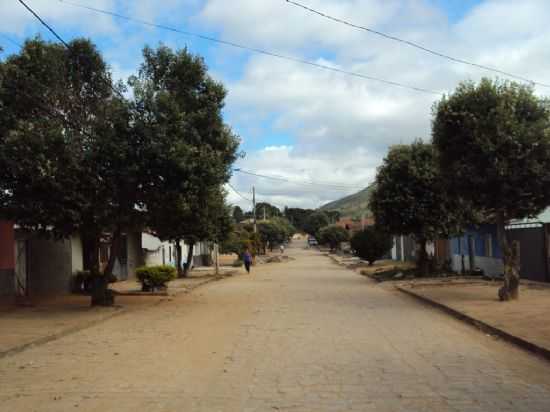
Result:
[{"x": 312, "y": 241}]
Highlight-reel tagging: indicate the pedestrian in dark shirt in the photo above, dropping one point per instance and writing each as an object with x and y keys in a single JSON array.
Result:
[{"x": 247, "y": 257}]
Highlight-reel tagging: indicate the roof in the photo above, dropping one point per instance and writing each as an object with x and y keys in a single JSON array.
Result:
[{"x": 544, "y": 217}]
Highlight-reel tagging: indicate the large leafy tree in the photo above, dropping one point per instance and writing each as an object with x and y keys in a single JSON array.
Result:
[
  {"x": 178, "y": 112},
  {"x": 297, "y": 216},
  {"x": 314, "y": 222},
  {"x": 238, "y": 214},
  {"x": 333, "y": 236},
  {"x": 274, "y": 232},
  {"x": 410, "y": 197},
  {"x": 371, "y": 243},
  {"x": 494, "y": 140},
  {"x": 69, "y": 161},
  {"x": 267, "y": 210}
]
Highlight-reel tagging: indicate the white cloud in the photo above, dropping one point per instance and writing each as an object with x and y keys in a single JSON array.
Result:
[
  {"x": 344, "y": 125},
  {"x": 17, "y": 20}
]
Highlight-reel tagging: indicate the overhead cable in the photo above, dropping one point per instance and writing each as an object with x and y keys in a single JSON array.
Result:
[
  {"x": 307, "y": 183},
  {"x": 251, "y": 49},
  {"x": 415, "y": 45},
  {"x": 238, "y": 193},
  {"x": 67, "y": 46},
  {"x": 15, "y": 43}
]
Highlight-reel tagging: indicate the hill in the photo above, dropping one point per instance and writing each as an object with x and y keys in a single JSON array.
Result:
[{"x": 354, "y": 205}]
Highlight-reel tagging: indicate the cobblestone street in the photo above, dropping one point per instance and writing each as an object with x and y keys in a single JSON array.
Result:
[{"x": 306, "y": 335}]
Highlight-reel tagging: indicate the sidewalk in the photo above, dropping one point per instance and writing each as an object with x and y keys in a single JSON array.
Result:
[
  {"x": 525, "y": 322},
  {"x": 51, "y": 318}
]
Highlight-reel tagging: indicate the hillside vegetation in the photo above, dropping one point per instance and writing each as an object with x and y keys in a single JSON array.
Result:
[{"x": 354, "y": 205}]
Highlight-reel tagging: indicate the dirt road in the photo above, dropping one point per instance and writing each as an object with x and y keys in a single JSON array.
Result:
[{"x": 300, "y": 336}]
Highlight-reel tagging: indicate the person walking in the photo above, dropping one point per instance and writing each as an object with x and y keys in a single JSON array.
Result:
[
  {"x": 282, "y": 248},
  {"x": 247, "y": 258}
]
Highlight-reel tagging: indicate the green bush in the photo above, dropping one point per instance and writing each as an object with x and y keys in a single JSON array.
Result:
[
  {"x": 332, "y": 236},
  {"x": 371, "y": 244},
  {"x": 154, "y": 277}
]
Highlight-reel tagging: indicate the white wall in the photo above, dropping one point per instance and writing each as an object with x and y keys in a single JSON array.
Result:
[
  {"x": 491, "y": 266},
  {"x": 77, "y": 255}
]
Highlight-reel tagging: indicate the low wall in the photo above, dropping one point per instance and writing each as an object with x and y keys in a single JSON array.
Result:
[{"x": 7, "y": 285}]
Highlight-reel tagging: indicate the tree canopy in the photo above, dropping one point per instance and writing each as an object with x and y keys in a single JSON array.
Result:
[
  {"x": 410, "y": 197},
  {"x": 494, "y": 145},
  {"x": 332, "y": 236},
  {"x": 77, "y": 156},
  {"x": 314, "y": 222},
  {"x": 267, "y": 210},
  {"x": 371, "y": 243}
]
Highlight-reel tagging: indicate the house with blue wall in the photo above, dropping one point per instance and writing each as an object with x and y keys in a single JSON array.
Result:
[{"x": 477, "y": 249}]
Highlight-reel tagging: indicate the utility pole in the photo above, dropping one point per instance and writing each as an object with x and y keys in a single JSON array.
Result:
[
  {"x": 217, "y": 256},
  {"x": 264, "y": 213},
  {"x": 254, "y": 207}
]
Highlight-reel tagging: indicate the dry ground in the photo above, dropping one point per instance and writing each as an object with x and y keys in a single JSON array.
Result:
[{"x": 307, "y": 335}]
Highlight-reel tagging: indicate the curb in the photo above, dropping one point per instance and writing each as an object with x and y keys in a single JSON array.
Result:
[
  {"x": 118, "y": 311},
  {"x": 484, "y": 327}
]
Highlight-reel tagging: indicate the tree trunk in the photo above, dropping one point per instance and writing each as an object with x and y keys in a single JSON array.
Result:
[
  {"x": 217, "y": 257},
  {"x": 510, "y": 289},
  {"x": 422, "y": 259},
  {"x": 189, "y": 260},
  {"x": 116, "y": 245},
  {"x": 100, "y": 294},
  {"x": 178, "y": 258}
]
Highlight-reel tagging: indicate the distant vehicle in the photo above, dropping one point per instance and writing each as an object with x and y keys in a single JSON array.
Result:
[{"x": 312, "y": 241}]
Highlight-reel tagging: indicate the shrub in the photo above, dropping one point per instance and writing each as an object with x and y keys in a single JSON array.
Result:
[
  {"x": 154, "y": 277},
  {"x": 332, "y": 236},
  {"x": 371, "y": 243}
]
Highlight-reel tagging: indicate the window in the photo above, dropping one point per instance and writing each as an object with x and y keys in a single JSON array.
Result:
[{"x": 489, "y": 245}]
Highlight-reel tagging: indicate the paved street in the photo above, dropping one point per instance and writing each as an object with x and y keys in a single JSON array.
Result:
[{"x": 300, "y": 336}]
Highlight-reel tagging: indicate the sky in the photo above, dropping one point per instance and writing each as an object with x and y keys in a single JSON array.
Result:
[{"x": 304, "y": 123}]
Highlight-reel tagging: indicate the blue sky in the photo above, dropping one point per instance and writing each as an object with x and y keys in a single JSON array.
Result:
[{"x": 301, "y": 122}]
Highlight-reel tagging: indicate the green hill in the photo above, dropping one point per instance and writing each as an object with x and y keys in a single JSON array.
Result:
[{"x": 354, "y": 205}]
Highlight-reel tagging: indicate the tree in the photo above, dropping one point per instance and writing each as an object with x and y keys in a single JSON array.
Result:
[
  {"x": 410, "y": 197},
  {"x": 242, "y": 237},
  {"x": 69, "y": 161},
  {"x": 238, "y": 214},
  {"x": 266, "y": 210},
  {"x": 178, "y": 114},
  {"x": 333, "y": 216},
  {"x": 494, "y": 140},
  {"x": 314, "y": 222},
  {"x": 371, "y": 244},
  {"x": 297, "y": 217},
  {"x": 333, "y": 236}
]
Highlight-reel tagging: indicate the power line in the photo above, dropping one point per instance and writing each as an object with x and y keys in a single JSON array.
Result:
[
  {"x": 44, "y": 23},
  {"x": 50, "y": 28},
  {"x": 239, "y": 193},
  {"x": 15, "y": 43},
  {"x": 250, "y": 49},
  {"x": 415, "y": 45},
  {"x": 307, "y": 183}
]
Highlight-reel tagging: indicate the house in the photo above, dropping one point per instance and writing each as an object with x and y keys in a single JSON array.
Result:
[
  {"x": 45, "y": 266},
  {"x": 33, "y": 265},
  {"x": 130, "y": 258},
  {"x": 404, "y": 248},
  {"x": 7, "y": 259},
  {"x": 354, "y": 225},
  {"x": 157, "y": 252},
  {"x": 530, "y": 238},
  {"x": 477, "y": 248}
]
